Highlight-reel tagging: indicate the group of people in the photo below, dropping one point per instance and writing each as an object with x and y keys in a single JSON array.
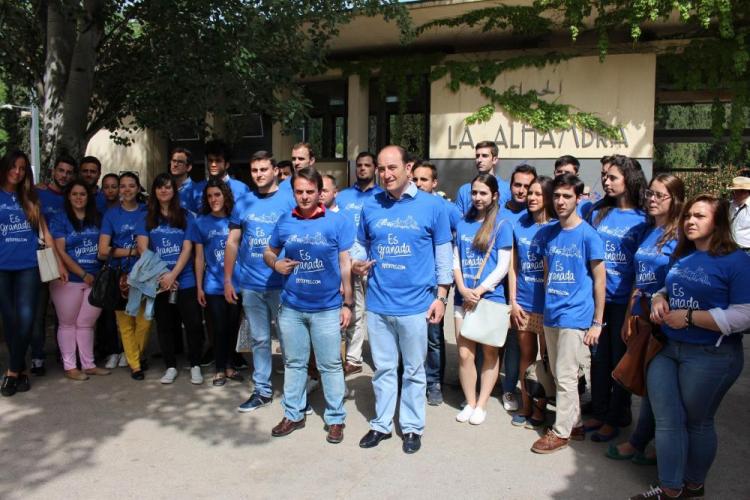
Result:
[{"x": 295, "y": 254}]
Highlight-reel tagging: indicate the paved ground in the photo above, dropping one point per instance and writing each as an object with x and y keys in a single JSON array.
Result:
[{"x": 112, "y": 437}]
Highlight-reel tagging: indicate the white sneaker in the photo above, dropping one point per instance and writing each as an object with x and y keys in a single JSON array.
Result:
[
  {"x": 196, "y": 377},
  {"x": 312, "y": 385},
  {"x": 509, "y": 402},
  {"x": 465, "y": 414},
  {"x": 169, "y": 376},
  {"x": 123, "y": 362},
  {"x": 477, "y": 416},
  {"x": 112, "y": 361}
]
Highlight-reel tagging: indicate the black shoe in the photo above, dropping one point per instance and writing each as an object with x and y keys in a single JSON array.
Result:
[
  {"x": 37, "y": 367},
  {"x": 10, "y": 386},
  {"x": 434, "y": 395},
  {"x": 137, "y": 375},
  {"x": 23, "y": 384},
  {"x": 373, "y": 438},
  {"x": 144, "y": 364},
  {"x": 412, "y": 442},
  {"x": 239, "y": 362},
  {"x": 208, "y": 358}
]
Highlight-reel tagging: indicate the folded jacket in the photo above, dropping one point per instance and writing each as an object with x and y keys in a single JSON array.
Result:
[{"x": 144, "y": 283}]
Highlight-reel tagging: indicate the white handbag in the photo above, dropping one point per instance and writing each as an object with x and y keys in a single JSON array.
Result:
[
  {"x": 489, "y": 321},
  {"x": 45, "y": 256}
]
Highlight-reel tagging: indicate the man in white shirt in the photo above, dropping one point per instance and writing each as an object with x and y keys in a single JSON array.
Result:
[{"x": 739, "y": 212}]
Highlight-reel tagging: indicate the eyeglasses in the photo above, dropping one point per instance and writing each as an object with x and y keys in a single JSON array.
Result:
[
  {"x": 656, "y": 195},
  {"x": 179, "y": 162}
]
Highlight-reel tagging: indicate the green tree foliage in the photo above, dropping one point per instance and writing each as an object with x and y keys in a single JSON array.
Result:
[{"x": 163, "y": 64}]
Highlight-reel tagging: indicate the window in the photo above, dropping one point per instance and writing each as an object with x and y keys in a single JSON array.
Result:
[
  {"x": 409, "y": 129},
  {"x": 325, "y": 129}
]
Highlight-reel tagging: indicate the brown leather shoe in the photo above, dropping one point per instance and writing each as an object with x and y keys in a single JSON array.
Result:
[
  {"x": 578, "y": 434},
  {"x": 96, "y": 371},
  {"x": 76, "y": 374},
  {"x": 351, "y": 369},
  {"x": 335, "y": 433},
  {"x": 286, "y": 427},
  {"x": 549, "y": 443}
]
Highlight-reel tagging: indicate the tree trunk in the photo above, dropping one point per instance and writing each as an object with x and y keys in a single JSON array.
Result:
[
  {"x": 60, "y": 38},
  {"x": 80, "y": 84}
]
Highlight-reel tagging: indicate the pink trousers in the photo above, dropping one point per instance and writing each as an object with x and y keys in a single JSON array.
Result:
[{"x": 77, "y": 319}]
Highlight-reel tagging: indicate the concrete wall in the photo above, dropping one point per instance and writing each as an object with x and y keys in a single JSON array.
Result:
[{"x": 147, "y": 156}]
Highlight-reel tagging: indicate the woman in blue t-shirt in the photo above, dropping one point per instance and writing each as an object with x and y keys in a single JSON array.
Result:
[
  {"x": 704, "y": 310},
  {"x": 168, "y": 231},
  {"x": 665, "y": 197},
  {"x": 76, "y": 233},
  {"x": 526, "y": 290},
  {"x": 481, "y": 233},
  {"x": 117, "y": 237},
  {"x": 20, "y": 223},
  {"x": 212, "y": 230},
  {"x": 107, "y": 341},
  {"x": 620, "y": 223}
]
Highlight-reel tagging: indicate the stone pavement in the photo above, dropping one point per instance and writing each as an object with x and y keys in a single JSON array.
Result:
[{"x": 112, "y": 437}]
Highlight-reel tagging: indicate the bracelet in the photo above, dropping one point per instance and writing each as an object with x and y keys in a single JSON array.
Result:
[
  {"x": 273, "y": 266},
  {"x": 689, "y": 318},
  {"x": 84, "y": 275},
  {"x": 349, "y": 306},
  {"x": 597, "y": 323}
]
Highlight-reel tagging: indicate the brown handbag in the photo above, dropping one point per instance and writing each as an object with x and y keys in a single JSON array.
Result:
[{"x": 643, "y": 344}]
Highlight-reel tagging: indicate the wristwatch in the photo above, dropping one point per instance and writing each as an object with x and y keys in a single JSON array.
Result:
[
  {"x": 350, "y": 306},
  {"x": 444, "y": 300}
]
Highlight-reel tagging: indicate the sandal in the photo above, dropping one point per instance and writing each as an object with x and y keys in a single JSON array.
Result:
[
  {"x": 219, "y": 380},
  {"x": 236, "y": 376},
  {"x": 643, "y": 459},
  {"x": 614, "y": 453},
  {"x": 598, "y": 437}
]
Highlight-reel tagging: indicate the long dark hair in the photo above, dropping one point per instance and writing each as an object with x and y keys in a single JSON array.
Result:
[
  {"x": 139, "y": 196},
  {"x": 175, "y": 213},
  {"x": 721, "y": 241},
  {"x": 635, "y": 185},
  {"x": 548, "y": 188},
  {"x": 676, "y": 189},
  {"x": 91, "y": 215},
  {"x": 487, "y": 230},
  {"x": 25, "y": 191},
  {"x": 225, "y": 191}
]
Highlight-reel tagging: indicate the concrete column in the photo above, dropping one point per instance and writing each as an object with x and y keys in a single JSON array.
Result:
[
  {"x": 357, "y": 117},
  {"x": 281, "y": 144}
]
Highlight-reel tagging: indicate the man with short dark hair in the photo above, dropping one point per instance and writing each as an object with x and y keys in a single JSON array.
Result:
[
  {"x": 329, "y": 192},
  {"x": 250, "y": 226},
  {"x": 180, "y": 165},
  {"x": 285, "y": 169},
  {"x": 90, "y": 169},
  {"x": 520, "y": 180},
  {"x": 218, "y": 162},
  {"x": 567, "y": 164},
  {"x": 404, "y": 241},
  {"x": 350, "y": 202},
  {"x": 486, "y": 158},
  {"x": 573, "y": 305}
]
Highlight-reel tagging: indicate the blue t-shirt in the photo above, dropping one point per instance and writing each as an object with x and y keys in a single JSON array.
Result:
[
  {"x": 401, "y": 235},
  {"x": 512, "y": 215},
  {"x": 18, "y": 240},
  {"x": 350, "y": 201},
  {"x": 471, "y": 258},
  {"x": 701, "y": 281},
  {"x": 167, "y": 241},
  {"x": 530, "y": 264},
  {"x": 463, "y": 197},
  {"x": 82, "y": 246},
  {"x": 212, "y": 233},
  {"x": 584, "y": 208},
  {"x": 101, "y": 201},
  {"x": 191, "y": 198},
  {"x": 119, "y": 224},
  {"x": 451, "y": 210},
  {"x": 569, "y": 294},
  {"x": 52, "y": 203},
  {"x": 651, "y": 264},
  {"x": 239, "y": 191},
  {"x": 257, "y": 218},
  {"x": 620, "y": 231},
  {"x": 315, "y": 243}
]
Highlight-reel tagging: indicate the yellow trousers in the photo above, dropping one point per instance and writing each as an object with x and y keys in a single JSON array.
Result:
[{"x": 134, "y": 335}]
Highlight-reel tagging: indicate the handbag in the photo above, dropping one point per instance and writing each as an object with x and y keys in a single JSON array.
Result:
[
  {"x": 645, "y": 341},
  {"x": 46, "y": 259},
  {"x": 489, "y": 321},
  {"x": 105, "y": 291}
]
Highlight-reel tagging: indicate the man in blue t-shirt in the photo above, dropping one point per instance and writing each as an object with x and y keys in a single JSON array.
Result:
[
  {"x": 569, "y": 164},
  {"x": 575, "y": 280},
  {"x": 486, "y": 158},
  {"x": 404, "y": 243},
  {"x": 180, "y": 165},
  {"x": 217, "y": 160},
  {"x": 90, "y": 169},
  {"x": 425, "y": 177},
  {"x": 350, "y": 203},
  {"x": 250, "y": 226}
]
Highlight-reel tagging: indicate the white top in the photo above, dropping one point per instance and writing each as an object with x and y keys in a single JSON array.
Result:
[{"x": 739, "y": 215}]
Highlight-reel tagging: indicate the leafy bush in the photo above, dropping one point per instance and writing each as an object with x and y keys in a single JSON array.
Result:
[{"x": 715, "y": 181}]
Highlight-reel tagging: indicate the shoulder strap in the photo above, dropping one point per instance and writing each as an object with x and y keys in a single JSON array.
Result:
[{"x": 487, "y": 253}]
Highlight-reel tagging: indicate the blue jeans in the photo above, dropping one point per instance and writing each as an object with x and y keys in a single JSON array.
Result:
[
  {"x": 39, "y": 330},
  {"x": 260, "y": 308},
  {"x": 511, "y": 362},
  {"x": 389, "y": 336},
  {"x": 19, "y": 293},
  {"x": 610, "y": 402},
  {"x": 686, "y": 383},
  {"x": 434, "y": 365},
  {"x": 298, "y": 330}
]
